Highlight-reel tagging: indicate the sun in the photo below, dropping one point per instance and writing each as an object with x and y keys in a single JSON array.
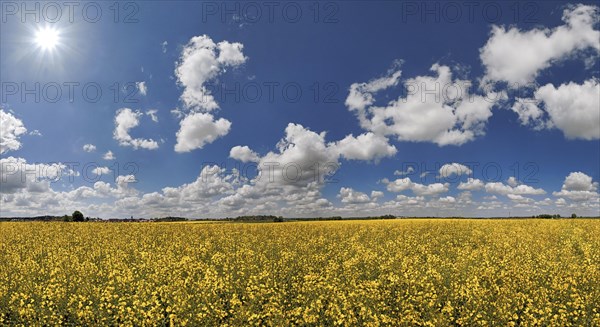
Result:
[{"x": 47, "y": 38}]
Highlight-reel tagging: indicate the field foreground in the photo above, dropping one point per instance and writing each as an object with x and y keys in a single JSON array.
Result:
[{"x": 392, "y": 272}]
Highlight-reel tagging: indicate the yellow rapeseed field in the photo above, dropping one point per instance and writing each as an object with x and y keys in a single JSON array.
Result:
[{"x": 392, "y": 272}]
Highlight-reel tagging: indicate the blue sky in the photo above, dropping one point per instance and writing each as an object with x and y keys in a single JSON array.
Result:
[{"x": 179, "y": 82}]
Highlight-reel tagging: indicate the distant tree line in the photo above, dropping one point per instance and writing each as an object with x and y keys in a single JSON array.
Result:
[
  {"x": 351, "y": 218},
  {"x": 548, "y": 216},
  {"x": 168, "y": 219},
  {"x": 257, "y": 218}
]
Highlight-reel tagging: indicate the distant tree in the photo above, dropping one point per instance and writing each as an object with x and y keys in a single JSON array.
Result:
[
  {"x": 78, "y": 216},
  {"x": 67, "y": 218},
  {"x": 573, "y": 216}
]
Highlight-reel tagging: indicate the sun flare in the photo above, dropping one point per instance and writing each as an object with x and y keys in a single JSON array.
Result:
[{"x": 47, "y": 38}]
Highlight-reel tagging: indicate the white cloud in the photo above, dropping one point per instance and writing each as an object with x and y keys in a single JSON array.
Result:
[
  {"x": 503, "y": 189},
  {"x": 164, "y": 46},
  {"x": 294, "y": 174},
  {"x": 198, "y": 129},
  {"x": 125, "y": 120},
  {"x": 35, "y": 132},
  {"x": 12, "y": 128},
  {"x": 403, "y": 184},
  {"x": 512, "y": 181},
  {"x": 448, "y": 170},
  {"x": 573, "y": 108},
  {"x": 123, "y": 181},
  {"x": 472, "y": 184},
  {"x": 142, "y": 88},
  {"x": 16, "y": 175},
  {"x": 447, "y": 199},
  {"x": 152, "y": 114},
  {"x": 202, "y": 61},
  {"x": 101, "y": 170},
  {"x": 89, "y": 148},
  {"x": 579, "y": 181},
  {"x": 177, "y": 113},
  {"x": 529, "y": 113},
  {"x": 376, "y": 195},
  {"x": 348, "y": 195},
  {"x": 579, "y": 187},
  {"x": 243, "y": 154},
  {"x": 438, "y": 109},
  {"x": 211, "y": 182},
  {"x": 517, "y": 56},
  {"x": 360, "y": 95},
  {"x": 520, "y": 199},
  {"x": 408, "y": 170},
  {"x": 109, "y": 156},
  {"x": 231, "y": 54},
  {"x": 301, "y": 150},
  {"x": 399, "y": 185},
  {"x": 366, "y": 146},
  {"x": 431, "y": 189},
  {"x": 403, "y": 201},
  {"x": 305, "y": 151}
]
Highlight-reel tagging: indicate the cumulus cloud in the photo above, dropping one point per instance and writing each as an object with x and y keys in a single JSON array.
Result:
[
  {"x": 142, "y": 88},
  {"x": 152, "y": 114},
  {"x": 403, "y": 184},
  {"x": 201, "y": 61},
  {"x": 457, "y": 169},
  {"x": 579, "y": 187},
  {"x": 27, "y": 189},
  {"x": 503, "y": 189},
  {"x": 12, "y": 128},
  {"x": 198, "y": 129},
  {"x": 579, "y": 181},
  {"x": 212, "y": 182},
  {"x": 101, "y": 170},
  {"x": 472, "y": 184},
  {"x": 572, "y": 108},
  {"x": 301, "y": 150},
  {"x": 348, "y": 195},
  {"x": 516, "y": 56},
  {"x": 375, "y": 195},
  {"x": 438, "y": 109},
  {"x": 125, "y": 120},
  {"x": 89, "y": 148},
  {"x": 305, "y": 156},
  {"x": 294, "y": 173},
  {"x": 530, "y": 114},
  {"x": 408, "y": 170},
  {"x": 366, "y": 146},
  {"x": 109, "y": 155},
  {"x": 17, "y": 174},
  {"x": 520, "y": 199},
  {"x": 243, "y": 154}
]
